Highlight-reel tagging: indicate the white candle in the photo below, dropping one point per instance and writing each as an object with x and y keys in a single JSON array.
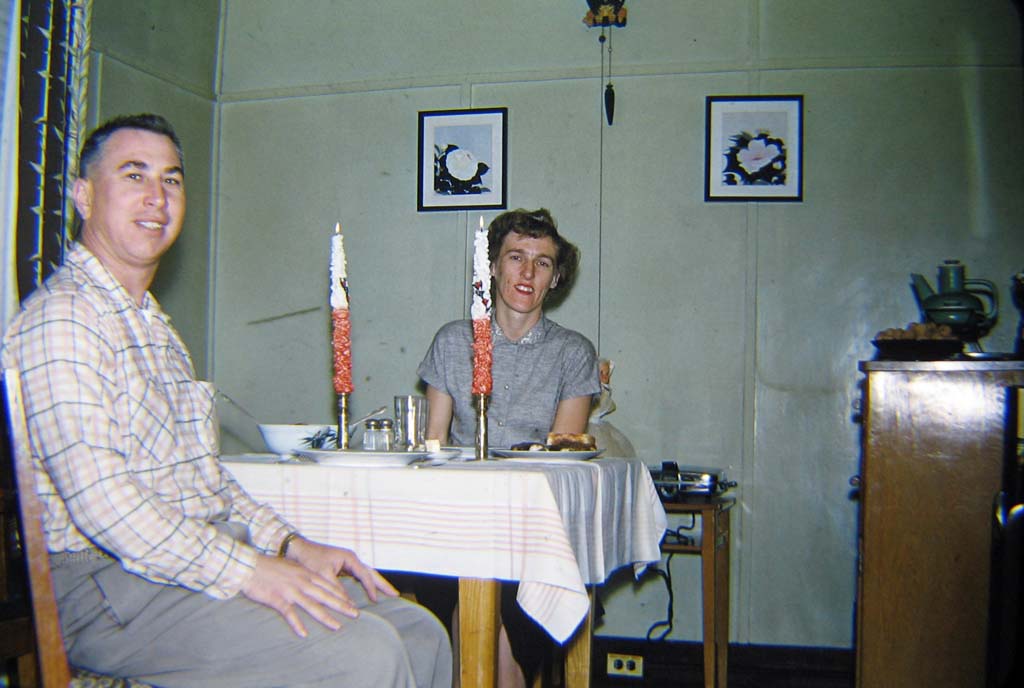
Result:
[
  {"x": 339, "y": 274},
  {"x": 481, "y": 307}
]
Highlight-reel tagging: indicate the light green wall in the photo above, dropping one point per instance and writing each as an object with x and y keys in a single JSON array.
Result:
[
  {"x": 736, "y": 328},
  {"x": 161, "y": 57},
  {"x": 175, "y": 42}
]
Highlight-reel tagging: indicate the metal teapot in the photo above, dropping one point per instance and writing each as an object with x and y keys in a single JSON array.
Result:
[{"x": 968, "y": 306}]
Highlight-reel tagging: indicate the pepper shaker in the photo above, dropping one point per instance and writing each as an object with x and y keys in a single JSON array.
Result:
[{"x": 386, "y": 438}]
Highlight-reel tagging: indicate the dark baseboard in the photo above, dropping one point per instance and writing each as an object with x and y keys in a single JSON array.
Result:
[{"x": 680, "y": 664}]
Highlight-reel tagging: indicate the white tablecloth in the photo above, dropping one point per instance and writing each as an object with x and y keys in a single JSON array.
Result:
[{"x": 554, "y": 525}]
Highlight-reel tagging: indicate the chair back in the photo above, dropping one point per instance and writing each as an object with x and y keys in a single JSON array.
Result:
[{"x": 53, "y": 661}]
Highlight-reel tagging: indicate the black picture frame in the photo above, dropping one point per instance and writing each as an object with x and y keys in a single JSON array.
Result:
[
  {"x": 462, "y": 159},
  {"x": 754, "y": 148}
]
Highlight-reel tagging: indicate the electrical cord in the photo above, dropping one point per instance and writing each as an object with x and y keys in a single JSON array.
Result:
[
  {"x": 680, "y": 537},
  {"x": 667, "y": 623}
]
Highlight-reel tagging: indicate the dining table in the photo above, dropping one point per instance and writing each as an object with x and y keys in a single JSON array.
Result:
[{"x": 557, "y": 526}]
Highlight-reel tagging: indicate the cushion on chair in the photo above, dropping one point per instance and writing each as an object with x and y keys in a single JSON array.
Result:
[{"x": 83, "y": 678}]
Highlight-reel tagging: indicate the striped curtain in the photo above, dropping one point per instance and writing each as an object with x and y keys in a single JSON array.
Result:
[
  {"x": 54, "y": 57},
  {"x": 10, "y": 23}
]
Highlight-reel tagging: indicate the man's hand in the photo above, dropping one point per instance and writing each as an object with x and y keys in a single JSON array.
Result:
[
  {"x": 308, "y": 579},
  {"x": 286, "y": 585},
  {"x": 331, "y": 562}
]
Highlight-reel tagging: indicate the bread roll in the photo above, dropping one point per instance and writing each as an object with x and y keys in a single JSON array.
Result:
[{"x": 570, "y": 442}]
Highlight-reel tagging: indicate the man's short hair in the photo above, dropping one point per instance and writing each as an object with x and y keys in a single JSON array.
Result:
[{"x": 93, "y": 146}]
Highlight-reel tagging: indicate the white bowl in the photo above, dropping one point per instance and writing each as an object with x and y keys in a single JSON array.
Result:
[{"x": 284, "y": 438}]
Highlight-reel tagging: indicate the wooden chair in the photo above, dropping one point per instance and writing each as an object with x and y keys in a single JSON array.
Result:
[
  {"x": 17, "y": 637},
  {"x": 53, "y": 667}
]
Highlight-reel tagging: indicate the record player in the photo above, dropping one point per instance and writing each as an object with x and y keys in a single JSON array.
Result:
[{"x": 676, "y": 483}]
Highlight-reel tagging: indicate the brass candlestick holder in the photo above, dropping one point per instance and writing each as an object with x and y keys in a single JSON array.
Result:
[
  {"x": 481, "y": 426},
  {"x": 343, "y": 414}
]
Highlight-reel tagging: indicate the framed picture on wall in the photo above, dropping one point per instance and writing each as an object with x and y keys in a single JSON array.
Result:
[
  {"x": 462, "y": 159},
  {"x": 754, "y": 148}
]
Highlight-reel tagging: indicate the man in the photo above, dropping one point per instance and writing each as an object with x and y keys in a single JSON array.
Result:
[{"x": 165, "y": 569}]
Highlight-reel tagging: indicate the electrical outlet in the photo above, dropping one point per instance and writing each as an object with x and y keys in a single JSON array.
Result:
[{"x": 625, "y": 665}]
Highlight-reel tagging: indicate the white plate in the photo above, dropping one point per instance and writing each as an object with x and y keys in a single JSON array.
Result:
[
  {"x": 440, "y": 457},
  {"x": 526, "y": 454},
  {"x": 445, "y": 453},
  {"x": 362, "y": 459},
  {"x": 463, "y": 453},
  {"x": 253, "y": 458}
]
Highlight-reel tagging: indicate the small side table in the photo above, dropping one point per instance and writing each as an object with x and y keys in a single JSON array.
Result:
[{"x": 714, "y": 553}]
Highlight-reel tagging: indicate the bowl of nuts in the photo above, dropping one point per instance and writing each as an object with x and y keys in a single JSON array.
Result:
[{"x": 917, "y": 342}]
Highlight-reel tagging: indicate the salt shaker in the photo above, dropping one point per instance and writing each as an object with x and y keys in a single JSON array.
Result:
[{"x": 371, "y": 435}]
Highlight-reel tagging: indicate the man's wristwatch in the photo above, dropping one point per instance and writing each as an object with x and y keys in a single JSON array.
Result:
[{"x": 283, "y": 549}]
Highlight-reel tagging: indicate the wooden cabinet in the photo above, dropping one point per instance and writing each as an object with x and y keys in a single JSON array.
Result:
[{"x": 934, "y": 443}]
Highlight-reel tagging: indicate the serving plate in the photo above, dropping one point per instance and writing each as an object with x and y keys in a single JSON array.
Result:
[
  {"x": 360, "y": 459},
  {"x": 543, "y": 454},
  {"x": 989, "y": 356},
  {"x": 253, "y": 458}
]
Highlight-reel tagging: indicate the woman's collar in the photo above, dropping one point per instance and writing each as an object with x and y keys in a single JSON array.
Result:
[{"x": 533, "y": 336}]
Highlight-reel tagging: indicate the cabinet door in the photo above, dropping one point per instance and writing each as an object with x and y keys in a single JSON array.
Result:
[{"x": 934, "y": 443}]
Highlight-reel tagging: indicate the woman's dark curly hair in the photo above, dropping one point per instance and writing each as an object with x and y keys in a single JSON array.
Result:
[{"x": 536, "y": 224}]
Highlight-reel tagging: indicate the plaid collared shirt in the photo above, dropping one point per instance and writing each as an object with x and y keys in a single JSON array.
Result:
[{"x": 124, "y": 438}]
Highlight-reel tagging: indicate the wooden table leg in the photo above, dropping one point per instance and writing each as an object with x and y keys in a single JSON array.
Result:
[
  {"x": 577, "y": 655},
  {"x": 714, "y": 558},
  {"x": 709, "y": 528},
  {"x": 722, "y": 600},
  {"x": 478, "y": 632}
]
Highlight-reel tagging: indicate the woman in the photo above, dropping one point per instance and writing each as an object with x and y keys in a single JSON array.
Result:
[{"x": 545, "y": 377}]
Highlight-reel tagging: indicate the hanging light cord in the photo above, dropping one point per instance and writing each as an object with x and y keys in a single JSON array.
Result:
[{"x": 609, "y": 55}]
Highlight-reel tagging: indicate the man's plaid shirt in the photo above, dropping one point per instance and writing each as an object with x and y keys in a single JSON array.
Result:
[{"x": 124, "y": 438}]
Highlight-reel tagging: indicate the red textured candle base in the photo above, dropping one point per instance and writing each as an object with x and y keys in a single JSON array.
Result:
[
  {"x": 482, "y": 356},
  {"x": 341, "y": 341}
]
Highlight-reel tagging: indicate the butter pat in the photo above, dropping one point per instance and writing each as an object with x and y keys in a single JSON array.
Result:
[{"x": 433, "y": 446}]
